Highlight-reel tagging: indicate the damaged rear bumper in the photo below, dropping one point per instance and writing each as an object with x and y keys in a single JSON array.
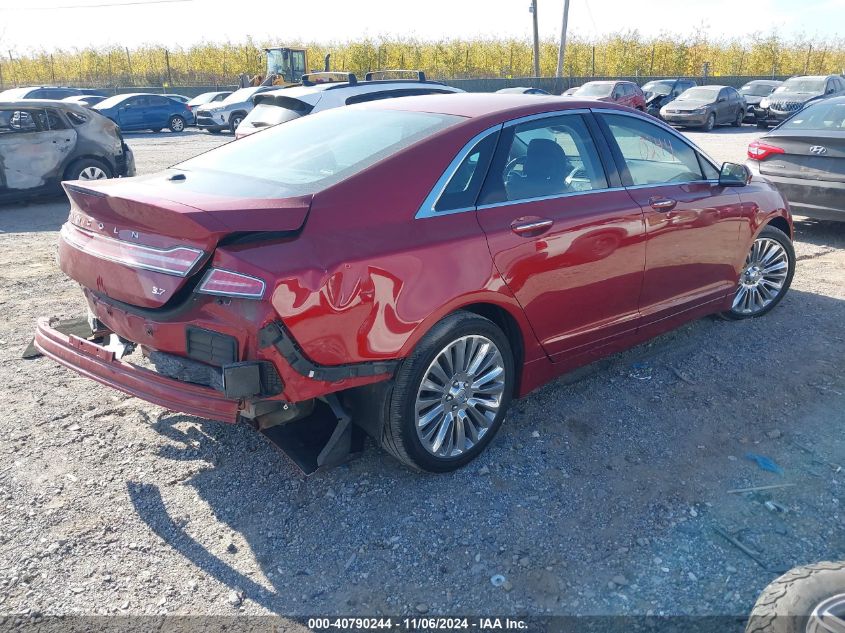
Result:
[{"x": 95, "y": 362}]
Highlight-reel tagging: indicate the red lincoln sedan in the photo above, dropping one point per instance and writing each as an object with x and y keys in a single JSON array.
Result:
[{"x": 410, "y": 266}]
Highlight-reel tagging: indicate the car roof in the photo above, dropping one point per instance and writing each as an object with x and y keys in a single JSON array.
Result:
[
  {"x": 361, "y": 86},
  {"x": 481, "y": 104},
  {"x": 45, "y": 103},
  {"x": 765, "y": 82}
]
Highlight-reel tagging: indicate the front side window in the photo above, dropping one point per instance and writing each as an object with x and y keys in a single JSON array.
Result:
[
  {"x": 546, "y": 157},
  {"x": 20, "y": 121},
  {"x": 651, "y": 154},
  {"x": 311, "y": 153}
]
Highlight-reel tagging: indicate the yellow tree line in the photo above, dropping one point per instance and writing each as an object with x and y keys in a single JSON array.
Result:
[{"x": 621, "y": 54}]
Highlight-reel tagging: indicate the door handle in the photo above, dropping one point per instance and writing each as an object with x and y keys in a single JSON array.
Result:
[
  {"x": 521, "y": 226},
  {"x": 662, "y": 204}
]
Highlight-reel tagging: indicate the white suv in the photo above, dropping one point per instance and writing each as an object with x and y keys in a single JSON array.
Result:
[{"x": 325, "y": 90}]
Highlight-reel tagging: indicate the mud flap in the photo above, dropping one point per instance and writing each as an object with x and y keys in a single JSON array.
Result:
[
  {"x": 325, "y": 438},
  {"x": 78, "y": 327}
]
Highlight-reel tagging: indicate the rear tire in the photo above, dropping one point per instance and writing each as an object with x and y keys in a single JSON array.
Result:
[
  {"x": 176, "y": 123},
  {"x": 785, "y": 606},
  {"x": 763, "y": 283},
  {"x": 450, "y": 349},
  {"x": 88, "y": 169},
  {"x": 740, "y": 116}
]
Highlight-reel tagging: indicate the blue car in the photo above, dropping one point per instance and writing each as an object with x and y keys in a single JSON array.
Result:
[{"x": 146, "y": 112}]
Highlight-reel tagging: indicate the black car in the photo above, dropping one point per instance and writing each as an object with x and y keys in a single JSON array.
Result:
[
  {"x": 662, "y": 91},
  {"x": 804, "y": 158},
  {"x": 794, "y": 94},
  {"x": 45, "y": 142},
  {"x": 754, "y": 92}
]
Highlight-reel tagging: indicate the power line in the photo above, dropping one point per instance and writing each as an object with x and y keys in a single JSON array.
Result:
[{"x": 95, "y": 6}]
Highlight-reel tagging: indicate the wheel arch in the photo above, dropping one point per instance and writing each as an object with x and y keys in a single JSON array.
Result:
[
  {"x": 779, "y": 222},
  {"x": 509, "y": 318}
]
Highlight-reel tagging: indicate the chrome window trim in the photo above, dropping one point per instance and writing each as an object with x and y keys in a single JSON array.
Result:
[
  {"x": 664, "y": 126},
  {"x": 544, "y": 115},
  {"x": 568, "y": 194},
  {"x": 426, "y": 209}
]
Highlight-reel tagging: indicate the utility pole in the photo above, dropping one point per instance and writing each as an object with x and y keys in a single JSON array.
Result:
[
  {"x": 562, "y": 50},
  {"x": 533, "y": 10}
]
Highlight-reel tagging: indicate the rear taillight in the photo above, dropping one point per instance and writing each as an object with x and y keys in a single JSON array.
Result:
[
  {"x": 228, "y": 284},
  {"x": 761, "y": 151},
  {"x": 178, "y": 260}
]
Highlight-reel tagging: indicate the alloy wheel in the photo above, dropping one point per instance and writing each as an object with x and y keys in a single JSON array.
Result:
[
  {"x": 92, "y": 173},
  {"x": 763, "y": 276},
  {"x": 178, "y": 125},
  {"x": 828, "y": 616},
  {"x": 459, "y": 396}
]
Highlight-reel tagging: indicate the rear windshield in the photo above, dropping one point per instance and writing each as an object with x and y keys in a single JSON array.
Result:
[
  {"x": 265, "y": 115},
  {"x": 821, "y": 116},
  {"x": 756, "y": 90},
  {"x": 111, "y": 101},
  {"x": 699, "y": 94},
  {"x": 315, "y": 152},
  {"x": 802, "y": 85},
  {"x": 594, "y": 90},
  {"x": 239, "y": 96},
  {"x": 658, "y": 87}
]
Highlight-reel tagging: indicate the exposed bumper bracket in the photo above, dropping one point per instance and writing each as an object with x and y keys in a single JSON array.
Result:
[{"x": 277, "y": 335}]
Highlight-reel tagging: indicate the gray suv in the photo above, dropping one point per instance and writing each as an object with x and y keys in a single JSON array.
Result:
[
  {"x": 794, "y": 95},
  {"x": 228, "y": 114}
]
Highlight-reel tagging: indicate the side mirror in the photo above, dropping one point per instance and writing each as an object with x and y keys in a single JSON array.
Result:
[
  {"x": 734, "y": 175},
  {"x": 721, "y": 100}
]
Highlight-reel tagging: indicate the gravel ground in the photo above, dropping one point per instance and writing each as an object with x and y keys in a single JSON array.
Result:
[{"x": 603, "y": 494}]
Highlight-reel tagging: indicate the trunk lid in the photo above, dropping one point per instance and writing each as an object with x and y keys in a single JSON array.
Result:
[
  {"x": 143, "y": 240},
  {"x": 806, "y": 155}
]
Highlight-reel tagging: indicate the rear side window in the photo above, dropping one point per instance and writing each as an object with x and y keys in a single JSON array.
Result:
[
  {"x": 462, "y": 190},
  {"x": 54, "y": 121},
  {"x": 159, "y": 101},
  {"x": 651, "y": 155},
  {"x": 311, "y": 153},
  {"x": 546, "y": 157}
]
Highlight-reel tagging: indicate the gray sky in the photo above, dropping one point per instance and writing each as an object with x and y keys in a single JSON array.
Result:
[{"x": 36, "y": 24}]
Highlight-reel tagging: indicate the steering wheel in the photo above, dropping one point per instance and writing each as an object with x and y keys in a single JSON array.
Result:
[
  {"x": 510, "y": 168},
  {"x": 576, "y": 171}
]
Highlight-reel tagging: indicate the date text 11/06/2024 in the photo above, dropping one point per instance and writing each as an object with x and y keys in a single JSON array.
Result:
[{"x": 418, "y": 624}]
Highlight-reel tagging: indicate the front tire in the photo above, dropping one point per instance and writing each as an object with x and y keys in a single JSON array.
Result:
[
  {"x": 450, "y": 395},
  {"x": 176, "y": 123},
  {"x": 235, "y": 121},
  {"x": 791, "y": 603},
  {"x": 765, "y": 277},
  {"x": 762, "y": 125},
  {"x": 710, "y": 123},
  {"x": 88, "y": 169}
]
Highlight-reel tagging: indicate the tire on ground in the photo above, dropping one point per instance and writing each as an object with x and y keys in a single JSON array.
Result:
[
  {"x": 399, "y": 437},
  {"x": 75, "y": 169},
  {"x": 775, "y": 234},
  {"x": 786, "y": 604}
]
